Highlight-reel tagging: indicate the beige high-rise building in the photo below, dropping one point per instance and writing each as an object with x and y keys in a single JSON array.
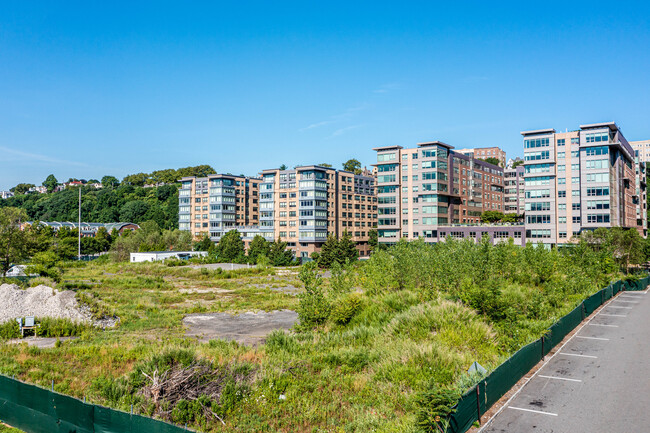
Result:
[
  {"x": 215, "y": 204},
  {"x": 422, "y": 189},
  {"x": 581, "y": 180},
  {"x": 642, "y": 149},
  {"x": 301, "y": 206},
  {"x": 305, "y": 204}
]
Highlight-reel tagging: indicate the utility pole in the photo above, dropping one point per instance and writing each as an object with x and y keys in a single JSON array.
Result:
[{"x": 79, "y": 230}]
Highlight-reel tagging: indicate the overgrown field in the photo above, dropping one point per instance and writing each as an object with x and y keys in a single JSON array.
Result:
[{"x": 379, "y": 343}]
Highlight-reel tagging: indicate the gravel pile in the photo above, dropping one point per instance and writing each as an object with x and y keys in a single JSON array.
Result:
[{"x": 39, "y": 301}]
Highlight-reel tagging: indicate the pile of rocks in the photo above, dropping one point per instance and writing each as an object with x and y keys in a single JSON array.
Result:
[{"x": 40, "y": 301}]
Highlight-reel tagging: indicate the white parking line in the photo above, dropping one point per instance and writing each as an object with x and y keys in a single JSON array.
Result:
[
  {"x": 601, "y": 324},
  {"x": 626, "y": 302},
  {"x": 613, "y": 315},
  {"x": 560, "y": 378},
  {"x": 592, "y": 338},
  {"x": 575, "y": 354},
  {"x": 533, "y": 411},
  {"x": 616, "y": 306}
]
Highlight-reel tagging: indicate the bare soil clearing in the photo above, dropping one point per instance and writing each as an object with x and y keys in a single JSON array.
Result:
[{"x": 247, "y": 328}]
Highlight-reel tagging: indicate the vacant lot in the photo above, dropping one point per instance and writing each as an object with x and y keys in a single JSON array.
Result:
[{"x": 388, "y": 340}]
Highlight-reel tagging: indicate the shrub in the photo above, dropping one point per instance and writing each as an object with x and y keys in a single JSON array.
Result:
[
  {"x": 9, "y": 329},
  {"x": 434, "y": 407},
  {"x": 60, "y": 327},
  {"x": 313, "y": 308},
  {"x": 344, "y": 308}
]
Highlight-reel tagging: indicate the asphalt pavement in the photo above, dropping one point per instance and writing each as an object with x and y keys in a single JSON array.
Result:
[{"x": 598, "y": 382}]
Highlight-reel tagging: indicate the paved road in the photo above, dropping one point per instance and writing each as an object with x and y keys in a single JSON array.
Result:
[{"x": 598, "y": 382}]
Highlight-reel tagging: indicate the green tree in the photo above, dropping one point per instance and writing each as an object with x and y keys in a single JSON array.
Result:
[
  {"x": 491, "y": 216},
  {"x": 283, "y": 167},
  {"x": 373, "y": 239},
  {"x": 511, "y": 218},
  {"x": 491, "y": 160},
  {"x": 134, "y": 211},
  {"x": 103, "y": 239},
  {"x": 258, "y": 247},
  {"x": 326, "y": 165},
  {"x": 204, "y": 244},
  {"x": 313, "y": 308},
  {"x": 14, "y": 242},
  {"x": 352, "y": 165},
  {"x": 110, "y": 182},
  {"x": 279, "y": 254},
  {"x": 45, "y": 264},
  {"x": 231, "y": 247},
  {"x": 138, "y": 179},
  {"x": 517, "y": 163},
  {"x": 348, "y": 252},
  {"x": 50, "y": 183},
  {"x": 22, "y": 188},
  {"x": 329, "y": 252}
]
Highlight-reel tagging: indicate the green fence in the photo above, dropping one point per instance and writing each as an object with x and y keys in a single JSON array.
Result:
[
  {"x": 37, "y": 410},
  {"x": 481, "y": 397}
]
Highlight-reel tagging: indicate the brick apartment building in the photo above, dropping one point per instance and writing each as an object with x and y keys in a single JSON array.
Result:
[{"x": 486, "y": 152}]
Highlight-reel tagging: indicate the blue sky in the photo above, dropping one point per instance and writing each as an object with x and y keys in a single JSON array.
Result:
[{"x": 95, "y": 88}]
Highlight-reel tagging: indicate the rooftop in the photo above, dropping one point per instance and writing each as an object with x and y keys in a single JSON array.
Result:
[
  {"x": 383, "y": 148},
  {"x": 538, "y": 131},
  {"x": 435, "y": 143},
  {"x": 611, "y": 125}
]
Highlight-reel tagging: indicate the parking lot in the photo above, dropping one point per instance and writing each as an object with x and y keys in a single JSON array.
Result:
[{"x": 598, "y": 381}]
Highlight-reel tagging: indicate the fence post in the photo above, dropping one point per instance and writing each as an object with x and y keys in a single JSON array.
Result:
[
  {"x": 478, "y": 404},
  {"x": 52, "y": 385},
  {"x": 583, "y": 310}
]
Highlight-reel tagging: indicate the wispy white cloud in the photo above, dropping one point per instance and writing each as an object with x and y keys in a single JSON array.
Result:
[
  {"x": 27, "y": 156},
  {"x": 342, "y": 131},
  {"x": 389, "y": 87},
  {"x": 350, "y": 112}
]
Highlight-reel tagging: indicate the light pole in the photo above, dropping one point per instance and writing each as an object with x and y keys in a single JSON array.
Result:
[{"x": 79, "y": 229}]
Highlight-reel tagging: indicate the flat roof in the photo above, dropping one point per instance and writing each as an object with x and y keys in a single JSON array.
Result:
[
  {"x": 538, "y": 131},
  {"x": 435, "y": 143},
  {"x": 610, "y": 125},
  {"x": 381, "y": 149},
  {"x": 168, "y": 252}
]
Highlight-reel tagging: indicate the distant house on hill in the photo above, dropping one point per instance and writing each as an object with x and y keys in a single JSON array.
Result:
[{"x": 6, "y": 194}]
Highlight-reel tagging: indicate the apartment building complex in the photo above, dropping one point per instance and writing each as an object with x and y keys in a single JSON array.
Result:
[
  {"x": 423, "y": 188},
  {"x": 486, "y": 152},
  {"x": 514, "y": 194},
  {"x": 642, "y": 149},
  {"x": 581, "y": 180},
  {"x": 303, "y": 205},
  {"x": 215, "y": 204}
]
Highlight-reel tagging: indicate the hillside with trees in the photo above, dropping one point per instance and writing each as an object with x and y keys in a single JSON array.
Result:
[{"x": 127, "y": 201}]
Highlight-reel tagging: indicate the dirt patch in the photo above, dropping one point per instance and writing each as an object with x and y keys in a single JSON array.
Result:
[
  {"x": 245, "y": 328},
  {"x": 288, "y": 289},
  {"x": 40, "y": 342},
  {"x": 213, "y": 290}
]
